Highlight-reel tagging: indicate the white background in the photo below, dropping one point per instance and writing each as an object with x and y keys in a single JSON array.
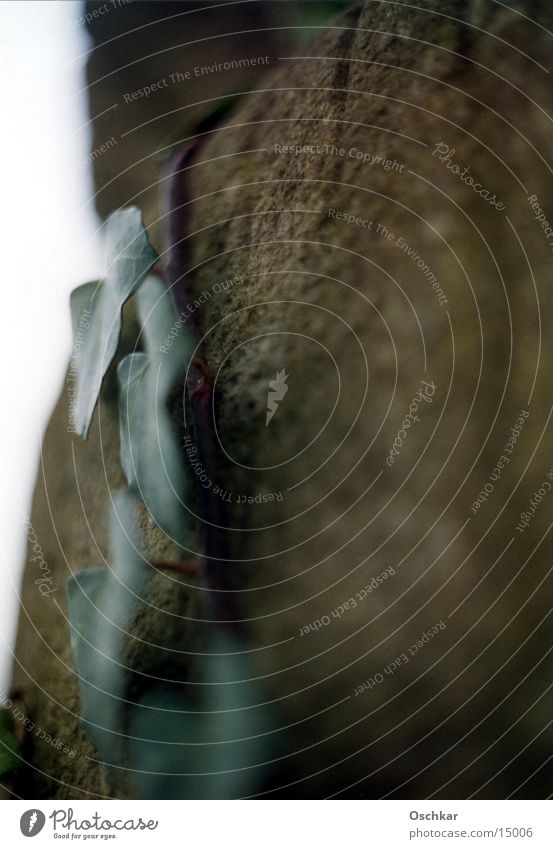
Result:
[
  {"x": 294, "y": 824},
  {"x": 49, "y": 246}
]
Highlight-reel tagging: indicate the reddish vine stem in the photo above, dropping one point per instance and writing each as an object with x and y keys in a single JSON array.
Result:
[
  {"x": 183, "y": 567},
  {"x": 200, "y": 394},
  {"x": 177, "y": 224},
  {"x": 199, "y": 386}
]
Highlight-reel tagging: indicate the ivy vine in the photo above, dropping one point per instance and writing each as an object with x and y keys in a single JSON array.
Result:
[{"x": 176, "y": 741}]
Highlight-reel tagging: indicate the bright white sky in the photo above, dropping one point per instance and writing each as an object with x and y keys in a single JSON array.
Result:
[{"x": 49, "y": 245}]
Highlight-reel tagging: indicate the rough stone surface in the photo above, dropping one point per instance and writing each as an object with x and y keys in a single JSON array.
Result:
[{"x": 353, "y": 319}]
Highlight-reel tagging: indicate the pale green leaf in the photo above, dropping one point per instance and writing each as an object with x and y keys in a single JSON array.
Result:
[
  {"x": 102, "y": 602},
  {"x": 150, "y": 453},
  {"x": 96, "y": 309},
  {"x": 212, "y": 740}
]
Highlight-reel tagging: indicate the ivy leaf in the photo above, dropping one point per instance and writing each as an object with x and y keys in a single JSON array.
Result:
[
  {"x": 133, "y": 423},
  {"x": 84, "y": 591},
  {"x": 96, "y": 309},
  {"x": 102, "y": 601},
  {"x": 150, "y": 452},
  {"x": 212, "y": 741},
  {"x": 88, "y": 592},
  {"x": 10, "y": 753}
]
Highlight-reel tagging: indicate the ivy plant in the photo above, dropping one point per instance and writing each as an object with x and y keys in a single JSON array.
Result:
[
  {"x": 150, "y": 453},
  {"x": 10, "y": 752},
  {"x": 210, "y": 739}
]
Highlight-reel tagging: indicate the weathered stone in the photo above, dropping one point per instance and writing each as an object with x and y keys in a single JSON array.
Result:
[{"x": 462, "y": 715}]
